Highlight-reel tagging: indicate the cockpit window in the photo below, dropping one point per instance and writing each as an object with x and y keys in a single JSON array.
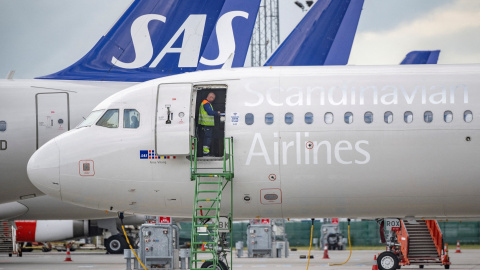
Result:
[
  {"x": 131, "y": 118},
  {"x": 109, "y": 119},
  {"x": 91, "y": 119}
]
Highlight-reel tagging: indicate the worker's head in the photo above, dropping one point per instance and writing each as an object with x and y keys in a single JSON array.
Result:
[{"x": 211, "y": 97}]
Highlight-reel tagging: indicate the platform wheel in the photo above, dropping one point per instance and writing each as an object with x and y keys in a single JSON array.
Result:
[
  {"x": 420, "y": 266},
  {"x": 221, "y": 265},
  {"x": 447, "y": 266},
  {"x": 387, "y": 261}
]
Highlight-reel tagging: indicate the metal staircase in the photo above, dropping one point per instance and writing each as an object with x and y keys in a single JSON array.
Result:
[
  {"x": 209, "y": 185},
  {"x": 6, "y": 244},
  {"x": 421, "y": 243},
  {"x": 422, "y": 250}
]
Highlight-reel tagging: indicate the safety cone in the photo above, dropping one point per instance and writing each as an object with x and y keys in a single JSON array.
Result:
[
  {"x": 203, "y": 247},
  {"x": 325, "y": 252},
  {"x": 458, "y": 247},
  {"x": 375, "y": 266},
  {"x": 68, "y": 258}
]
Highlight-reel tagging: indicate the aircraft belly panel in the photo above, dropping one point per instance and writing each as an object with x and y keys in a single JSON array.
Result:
[{"x": 361, "y": 173}]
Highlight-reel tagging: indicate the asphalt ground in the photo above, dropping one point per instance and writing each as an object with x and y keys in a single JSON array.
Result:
[{"x": 360, "y": 259}]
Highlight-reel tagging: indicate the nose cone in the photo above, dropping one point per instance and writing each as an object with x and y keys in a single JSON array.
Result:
[{"x": 44, "y": 169}]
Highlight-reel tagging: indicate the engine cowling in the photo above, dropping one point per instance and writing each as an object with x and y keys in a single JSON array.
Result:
[{"x": 53, "y": 230}]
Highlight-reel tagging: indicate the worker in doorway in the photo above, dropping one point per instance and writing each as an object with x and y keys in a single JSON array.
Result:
[{"x": 206, "y": 122}]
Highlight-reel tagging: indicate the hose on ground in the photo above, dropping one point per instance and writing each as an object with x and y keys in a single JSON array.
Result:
[
  {"x": 349, "y": 245},
  {"x": 120, "y": 216}
]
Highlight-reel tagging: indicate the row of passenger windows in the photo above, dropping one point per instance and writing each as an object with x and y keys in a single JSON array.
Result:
[
  {"x": 110, "y": 119},
  {"x": 367, "y": 117}
]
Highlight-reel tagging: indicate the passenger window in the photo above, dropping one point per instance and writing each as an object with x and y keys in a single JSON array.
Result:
[
  {"x": 269, "y": 118},
  {"x": 348, "y": 117},
  {"x": 408, "y": 117},
  {"x": 468, "y": 116},
  {"x": 448, "y": 116},
  {"x": 289, "y": 118},
  {"x": 3, "y": 125},
  {"x": 131, "y": 118},
  {"x": 388, "y": 117},
  {"x": 309, "y": 118},
  {"x": 428, "y": 117},
  {"x": 368, "y": 117},
  {"x": 109, "y": 119},
  {"x": 249, "y": 119},
  {"x": 328, "y": 118}
]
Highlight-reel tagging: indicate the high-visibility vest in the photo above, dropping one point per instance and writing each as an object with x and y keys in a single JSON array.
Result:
[{"x": 203, "y": 118}]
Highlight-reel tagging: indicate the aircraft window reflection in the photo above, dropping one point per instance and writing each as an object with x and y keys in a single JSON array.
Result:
[
  {"x": 408, "y": 117},
  {"x": 428, "y": 117},
  {"x": 309, "y": 118},
  {"x": 468, "y": 116},
  {"x": 249, "y": 119},
  {"x": 448, "y": 116},
  {"x": 109, "y": 119},
  {"x": 289, "y": 118},
  {"x": 368, "y": 117},
  {"x": 91, "y": 119},
  {"x": 131, "y": 118},
  {"x": 328, "y": 118},
  {"x": 269, "y": 118},
  {"x": 348, "y": 117},
  {"x": 388, "y": 117},
  {"x": 3, "y": 125}
]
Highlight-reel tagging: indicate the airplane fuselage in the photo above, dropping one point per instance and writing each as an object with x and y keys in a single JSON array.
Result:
[
  {"x": 35, "y": 111},
  {"x": 308, "y": 142}
]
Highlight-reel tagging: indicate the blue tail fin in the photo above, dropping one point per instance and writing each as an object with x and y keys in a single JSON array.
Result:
[
  {"x": 421, "y": 57},
  {"x": 152, "y": 39},
  {"x": 323, "y": 37},
  {"x": 236, "y": 17}
]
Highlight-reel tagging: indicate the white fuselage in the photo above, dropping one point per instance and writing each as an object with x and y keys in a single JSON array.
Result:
[
  {"x": 299, "y": 165},
  {"x": 34, "y": 112}
]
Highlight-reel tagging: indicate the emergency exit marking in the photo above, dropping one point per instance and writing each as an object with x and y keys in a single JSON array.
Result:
[{"x": 86, "y": 168}]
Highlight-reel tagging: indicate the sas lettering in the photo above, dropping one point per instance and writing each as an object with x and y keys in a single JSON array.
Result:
[
  {"x": 192, "y": 30},
  {"x": 3, "y": 145}
]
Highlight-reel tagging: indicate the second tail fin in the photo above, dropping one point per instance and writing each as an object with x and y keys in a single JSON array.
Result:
[{"x": 323, "y": 37}]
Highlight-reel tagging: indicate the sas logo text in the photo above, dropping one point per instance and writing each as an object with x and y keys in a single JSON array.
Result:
[{"x": 150, "y": 154}]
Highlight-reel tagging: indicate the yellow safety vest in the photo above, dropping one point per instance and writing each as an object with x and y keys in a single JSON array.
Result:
[{"x": 203, "y": 118}]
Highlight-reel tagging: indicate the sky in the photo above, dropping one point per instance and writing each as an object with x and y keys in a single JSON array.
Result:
[{"x": 40, "y": 37}]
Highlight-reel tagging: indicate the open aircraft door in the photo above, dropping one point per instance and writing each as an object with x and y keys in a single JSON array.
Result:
[{"x": 174, "y": 119}]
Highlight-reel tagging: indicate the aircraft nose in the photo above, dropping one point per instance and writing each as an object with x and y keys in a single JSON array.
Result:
[{"x": 44, "y": 169}]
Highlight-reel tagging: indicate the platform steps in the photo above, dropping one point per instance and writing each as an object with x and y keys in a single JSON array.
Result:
[
  {"x": 209, "y": 185},
  {"x": 421, "y": 249},
  {"x": 6, "y": 244}
]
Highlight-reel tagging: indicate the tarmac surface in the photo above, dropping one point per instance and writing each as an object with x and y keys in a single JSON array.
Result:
[{"x": 360, "y": 259}]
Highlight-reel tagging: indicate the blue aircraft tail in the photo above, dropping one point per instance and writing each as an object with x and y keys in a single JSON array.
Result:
[
  {"x": 236, "y": 17},
  {"x": 157, "y": 38},
  {"x": 421, "y": 57},
  {"x": 323, "y": 37}
]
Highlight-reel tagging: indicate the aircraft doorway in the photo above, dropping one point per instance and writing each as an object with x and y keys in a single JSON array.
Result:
[
  {"x": 219, "y": 105},
  {"x": 53, "y": 116}
]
